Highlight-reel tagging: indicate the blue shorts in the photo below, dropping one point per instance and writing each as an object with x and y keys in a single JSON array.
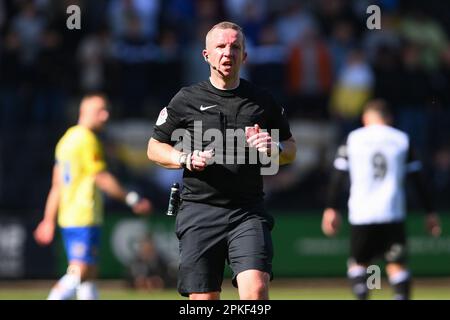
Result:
[{"x": 82, "y": 243}]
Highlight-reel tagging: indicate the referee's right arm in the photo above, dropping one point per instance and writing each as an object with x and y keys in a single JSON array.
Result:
[
  {"x": 163, "y": 154},
  {"x": 160, "y": 146},
  {"x": 160, "y": 149},
  {"x": 168, "y": 157}
]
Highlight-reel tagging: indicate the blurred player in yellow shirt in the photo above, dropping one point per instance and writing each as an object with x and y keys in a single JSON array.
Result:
[{"x": 75, "y": 203}]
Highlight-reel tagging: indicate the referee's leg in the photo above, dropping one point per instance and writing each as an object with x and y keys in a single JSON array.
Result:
[
  {"x": 250, "y": 254},
  {"x": 253, "y": 285},
  {"x": 205, "y": 296}
]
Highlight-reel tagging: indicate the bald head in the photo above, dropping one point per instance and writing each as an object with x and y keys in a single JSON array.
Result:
[
  {"x": 93, "y": 111},
  {"x": 223, "y": 26}
]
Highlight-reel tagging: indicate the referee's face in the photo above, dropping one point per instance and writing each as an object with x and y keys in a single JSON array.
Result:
[{"x": 225, "y": 52}]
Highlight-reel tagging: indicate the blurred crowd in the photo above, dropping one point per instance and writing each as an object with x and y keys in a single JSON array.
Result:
[{"x": 318, "y": 58}]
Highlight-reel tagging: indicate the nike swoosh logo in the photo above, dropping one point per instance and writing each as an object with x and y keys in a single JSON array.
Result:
[{"x": 202, "y": 108}]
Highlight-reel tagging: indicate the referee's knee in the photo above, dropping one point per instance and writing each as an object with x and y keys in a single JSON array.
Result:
[
  {"x": 253, "y": 285},
  {"x": 258, "y": 291}
]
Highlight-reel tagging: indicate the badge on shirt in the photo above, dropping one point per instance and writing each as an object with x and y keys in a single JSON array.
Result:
[{"x": 162, "y": 117}]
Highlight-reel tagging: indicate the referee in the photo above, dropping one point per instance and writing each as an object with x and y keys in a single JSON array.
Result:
[
  {"x": 222, "y": 215},
  {"x": 377, "y": 158}
]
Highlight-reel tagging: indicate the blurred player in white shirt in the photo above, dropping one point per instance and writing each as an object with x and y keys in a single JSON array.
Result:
[{"x": 378, "y": 158}]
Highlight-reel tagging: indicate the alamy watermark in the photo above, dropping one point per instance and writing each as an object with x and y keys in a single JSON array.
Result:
[
  {"x": 374, "y": 20},
  {"x": 74, "y": 20},
  {"x": 374, "y": 278},
  {"x": 230, "y": 147}
]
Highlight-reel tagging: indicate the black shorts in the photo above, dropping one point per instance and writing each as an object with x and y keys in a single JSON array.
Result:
[
  {"x": 211, "y": 235},
  {"x": 385, "y": 241}
]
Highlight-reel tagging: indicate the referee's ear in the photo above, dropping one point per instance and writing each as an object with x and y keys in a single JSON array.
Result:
[{"x": 205, "y": 54}]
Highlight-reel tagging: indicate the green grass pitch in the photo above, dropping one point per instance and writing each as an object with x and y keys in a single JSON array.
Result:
[{"x": 284, "y": 290}]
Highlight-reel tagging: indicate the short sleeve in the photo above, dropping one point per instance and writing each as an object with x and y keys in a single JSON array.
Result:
[
  {"x": 170, "y": 118},
  {"x": 278, "y": 119},
  {"x": 93, "y": 157},
  {"x": 341, "y": 160}
]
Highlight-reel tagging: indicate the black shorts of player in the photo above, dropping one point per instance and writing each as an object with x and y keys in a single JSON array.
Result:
[
  {"x": 385, "y": 241},
  {"x": 210, "y": 235}
]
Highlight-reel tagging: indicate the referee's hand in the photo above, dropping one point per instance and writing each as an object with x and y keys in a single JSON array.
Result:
[
  {"x": 198, "y": 160},
  {"x": 331, "y": 222},
  {"x": 260, "y": 140}
]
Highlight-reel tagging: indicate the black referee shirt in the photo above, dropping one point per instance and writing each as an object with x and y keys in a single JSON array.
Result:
[{"x": 222, "y": 184}]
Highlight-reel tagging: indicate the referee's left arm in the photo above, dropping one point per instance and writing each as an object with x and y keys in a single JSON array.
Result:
[{"x": 288, "y": 152}]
